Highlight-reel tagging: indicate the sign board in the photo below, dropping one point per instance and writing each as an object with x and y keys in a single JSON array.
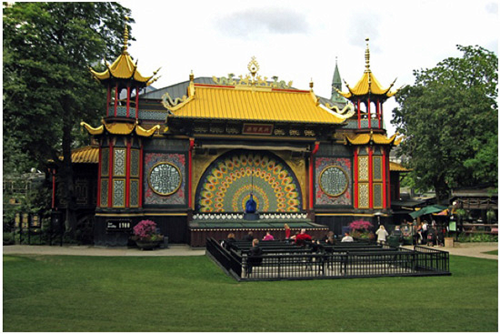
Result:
[
  {"x": 257, "y": 129},
  {"x": 118, "y": 225}
]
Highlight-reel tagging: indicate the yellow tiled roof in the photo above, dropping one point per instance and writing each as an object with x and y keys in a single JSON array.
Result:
[
  {"x": 368, "y": 84},
  {"x": 121, "y": 129},
  {"x": 123, "y": 68},
  {"x": 85, "y": 155},
  {"x": 376, "y": 138},
  {"x": 395, "y": 167},
  {"x": 265, "y": 105}
]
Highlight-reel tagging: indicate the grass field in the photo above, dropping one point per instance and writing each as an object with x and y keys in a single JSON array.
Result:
[{"x": 70, "y": 293}]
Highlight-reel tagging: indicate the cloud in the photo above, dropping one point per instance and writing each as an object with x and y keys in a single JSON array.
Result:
[
  {"x": 492, "y": 8},
  {"x": 254, "y": 22},
  {"x": 364, "y": 25}
]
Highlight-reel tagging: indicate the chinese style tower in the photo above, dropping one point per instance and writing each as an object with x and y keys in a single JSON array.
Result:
[
  {"x": 370, "y": 143},
  {"x": 120, "y": 138}
]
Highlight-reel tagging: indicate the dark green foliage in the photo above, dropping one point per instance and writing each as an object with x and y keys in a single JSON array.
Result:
[
  {"x": 177, "y": 294},
  {"x": 48, "y": 90},
  {"x": 450, "y": 121}
]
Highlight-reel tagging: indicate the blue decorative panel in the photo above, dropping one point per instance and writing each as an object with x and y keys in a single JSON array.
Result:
[{"x": 121, "y": 111}]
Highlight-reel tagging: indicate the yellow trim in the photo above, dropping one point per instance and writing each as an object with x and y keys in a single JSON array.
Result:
[
  {"x": 92, "y": 130},
  {"x": 146, "y": 133},
  {"x": 376, "y": 138},
  {"x": 120, "y": 128}
]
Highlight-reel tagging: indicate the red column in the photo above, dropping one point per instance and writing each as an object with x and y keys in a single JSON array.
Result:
[
  {"x": 369, "y": 114},
  {"x": 53, "y": 172},
  {"x": 389, "y": 183},
  {"x": 190, "y": 173},
  {"x": 384, "y": 178},
  {"x": 127, "y": 175},
  {"x": 128, "y": 101},
  {"x": 141, "y": 154},
  {"x": 311, "y": 175},
  {"x": 359, "y": 114},
  {"x": 99, "y": 178},
  {"x": 355, "y": 177},
  {"x": 110, "y": 178},
  {"x": 379, "y": 113},
  {"x": 136, "y": 102},
  {"x": 370, "y": 177},
  {"x": 116, "y": 98},
  {"x": 108, "y": 100}
]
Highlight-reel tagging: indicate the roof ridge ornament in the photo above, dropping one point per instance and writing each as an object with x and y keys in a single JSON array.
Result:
[{"x": 252, "y": 80}]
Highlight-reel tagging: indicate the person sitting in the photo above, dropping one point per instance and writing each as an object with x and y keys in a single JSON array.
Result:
[
  {"x": 268, "y": 236},
  {"x": 250, "y": 205},
  {"x": 249, "y": 236},
  {"x": 301, "y": 237},
  {"x": 254, "y": 256},
  {"x": 229, "y": 241},
  {"x": 347, "y": 238},
  {"x": 329, "y": 238}
]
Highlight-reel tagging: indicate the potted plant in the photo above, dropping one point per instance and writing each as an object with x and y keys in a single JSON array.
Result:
[
  {"x": 360, "y": 229},
  {"x": 145, "y": 235}
]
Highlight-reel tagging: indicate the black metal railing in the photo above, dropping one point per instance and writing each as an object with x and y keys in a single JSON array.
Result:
[{"x": 342, "y": 261}]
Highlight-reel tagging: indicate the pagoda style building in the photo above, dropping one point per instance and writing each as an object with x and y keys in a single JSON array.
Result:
[{"x": 190, "y": 155}]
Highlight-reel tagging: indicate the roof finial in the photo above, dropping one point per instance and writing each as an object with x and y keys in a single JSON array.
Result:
[
  {"x": 367, "y": 56},
  {"x": 311, "y": 84},
  {"x": 191, "y": 76},
  {"x": 125, "y": 36}
]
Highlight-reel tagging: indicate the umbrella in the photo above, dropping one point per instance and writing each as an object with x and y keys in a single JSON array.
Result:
[{"x": 428, "y": 210}]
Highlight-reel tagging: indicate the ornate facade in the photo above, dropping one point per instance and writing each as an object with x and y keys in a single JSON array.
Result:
[{"x": 188, "y": 156}]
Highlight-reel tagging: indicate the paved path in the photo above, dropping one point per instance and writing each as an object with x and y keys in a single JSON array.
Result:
[
  {"x": 473, "y": 250},
  {"x": 173, "y": 250}
]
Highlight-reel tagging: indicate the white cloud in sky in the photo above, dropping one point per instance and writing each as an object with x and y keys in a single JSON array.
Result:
[
  {"x": 252, "y": 22},
  {"x": 299, "y": 40}
]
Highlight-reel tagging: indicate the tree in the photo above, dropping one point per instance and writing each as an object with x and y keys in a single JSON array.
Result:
[
  {"x": 47, "y": 86},
  {"x": 449, "y": 118}
]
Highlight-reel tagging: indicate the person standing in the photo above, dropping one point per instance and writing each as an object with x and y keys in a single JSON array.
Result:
[
  {"x": 382, "y": 235},
  {"x": 287, "y": 232}
]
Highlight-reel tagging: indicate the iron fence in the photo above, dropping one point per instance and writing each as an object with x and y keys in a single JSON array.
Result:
[{"x": 342, "y": 262}]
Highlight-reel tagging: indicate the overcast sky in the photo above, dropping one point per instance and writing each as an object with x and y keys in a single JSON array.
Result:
[{"x": 300, "y": 40}]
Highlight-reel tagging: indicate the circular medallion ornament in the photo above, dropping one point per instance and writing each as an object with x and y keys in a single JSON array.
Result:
[
  {"x": 165, "y": 178},
  {"x": 333, "y": 180}
]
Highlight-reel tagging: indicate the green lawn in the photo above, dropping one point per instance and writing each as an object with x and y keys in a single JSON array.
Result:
[{"x": 70, "y": 293}]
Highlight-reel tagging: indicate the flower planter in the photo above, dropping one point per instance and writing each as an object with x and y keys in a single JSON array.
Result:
[{"x": 147, "y": 244}]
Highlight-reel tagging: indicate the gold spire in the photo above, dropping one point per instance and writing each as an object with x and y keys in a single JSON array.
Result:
[
  {"x": 125, "y": 37},
  {"x": 367, "y": 57}
]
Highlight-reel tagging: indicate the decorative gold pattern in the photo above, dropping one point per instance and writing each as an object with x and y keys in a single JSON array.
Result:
[
  {"x": 362, "y": 168},
  {"x": 333, "y": 180},
  {"x": 363, "y": 196}
]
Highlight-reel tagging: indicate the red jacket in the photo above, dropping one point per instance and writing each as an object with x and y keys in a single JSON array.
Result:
[{"x": 301, "y": 237}]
